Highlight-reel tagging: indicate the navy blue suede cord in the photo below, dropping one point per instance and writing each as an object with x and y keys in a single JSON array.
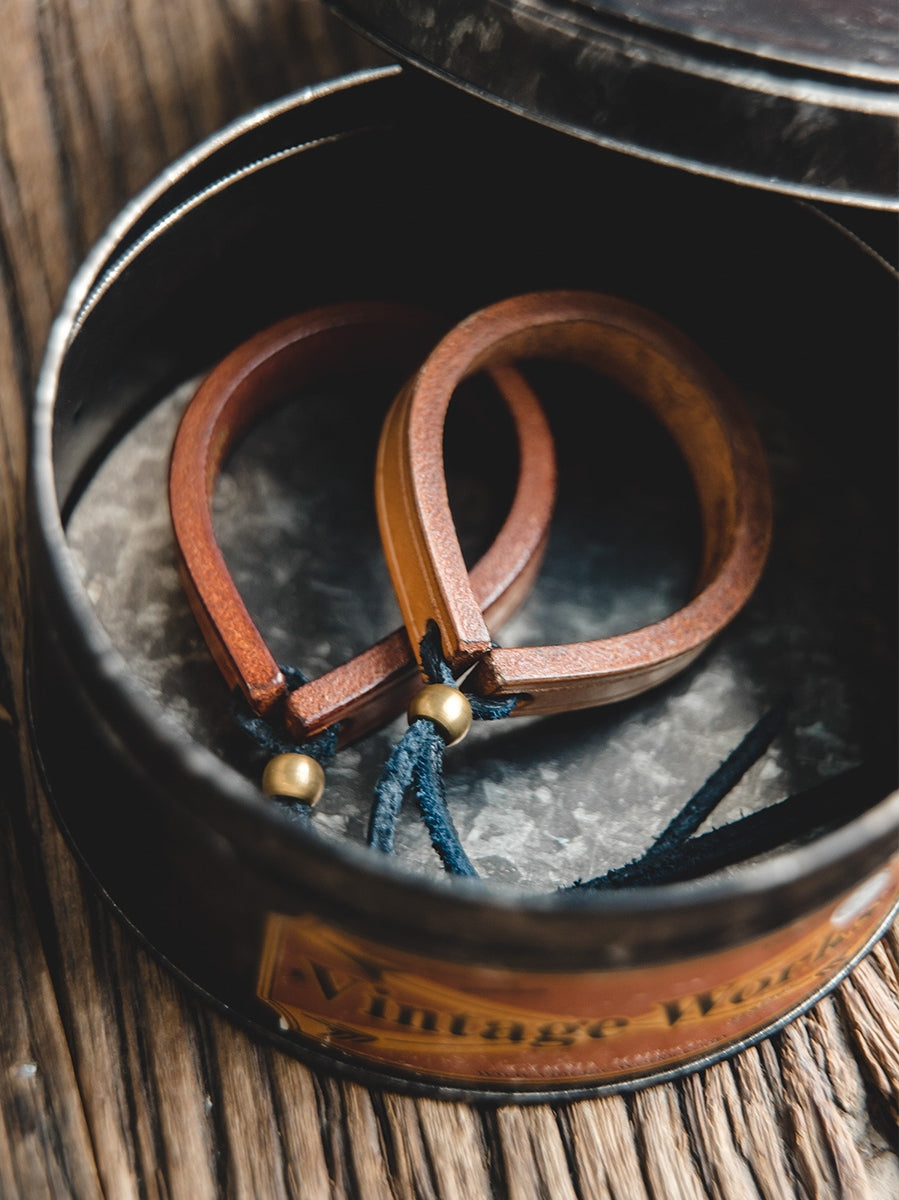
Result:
[
  {"x": 665, "y": 857},
  {"x": 431, "y": 796},
  {"x": 294, "y": 810},
  {"x": 436, "y": 670},
  {"x": 719, "y": 783},
  {"x": 835, "y": 801},
  {"x": 418, "y": 759},
  {"x": 271, "y": 741},
  {"x": 664, "y": 853},
  {"x": 676, "y": 854},
  {"x": 433, "y": 664},
  {"x": 395, "y": 779}
]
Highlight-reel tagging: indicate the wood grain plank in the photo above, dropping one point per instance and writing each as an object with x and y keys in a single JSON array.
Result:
[
  {"x": 411, "y": 1163},
  {"x": 760, "y": 1133},
  {"x": 79, "y": 947},
  {"x": 249, "y": 1139},
  {"x": 673, "y": 1164},
  {"x": 714, "y": 1111},
  {"x": 534, "y": 1159},
  {"x": 605, "y": 1150},
  {"x": 14, "y": 373},
  {"x": 45, "y": 1147},
  {"x": 826, "y": 1156},
  {"x": 332, "y": 1126},
  {"x": 37, "y": 255},
  {"x": 457, "y": 1148},
  {"x": 296, "y": 1101},
  {"x": 366, "y": 1146},
  {"x": 160, "y": 1023},
  {"x": 868, "y": 998}
]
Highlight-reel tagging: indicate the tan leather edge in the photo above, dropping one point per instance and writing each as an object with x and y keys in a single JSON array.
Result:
[{"x": 700, "y": 408}]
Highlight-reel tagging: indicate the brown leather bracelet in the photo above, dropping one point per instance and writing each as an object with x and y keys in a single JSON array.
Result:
[
  {"x": 273, "y": 365},
  {"x": 688, "y": 394}
]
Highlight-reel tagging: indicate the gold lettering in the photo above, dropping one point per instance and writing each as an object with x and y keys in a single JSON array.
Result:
[
  {"x": 503, "y": 1031},
  {"x": 330, "y": 987},
  {"x": 557, "y": 1033},
  {"x": 404, "y": 1014},
  {"x": 421, "y": 1018},
  {"x": 704, "y": 1001},
  {"x": 750, "y": 990},
  {"x": 606, "y": 1027},
  {"x": 831, "y": 942},
  {"x": 792, "y": 969},
  {"x": 378, "y": 1003}
]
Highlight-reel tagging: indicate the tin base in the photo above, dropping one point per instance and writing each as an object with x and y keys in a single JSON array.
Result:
[{"x": 267, "y": 219}]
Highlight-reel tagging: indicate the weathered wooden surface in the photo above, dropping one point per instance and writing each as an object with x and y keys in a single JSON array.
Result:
[{"x": 114, "y": 1081}]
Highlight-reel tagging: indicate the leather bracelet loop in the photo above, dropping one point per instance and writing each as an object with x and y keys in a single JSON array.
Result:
[
  {"x": 688, "y": 394},
  {"x": 276, "y": 363}
]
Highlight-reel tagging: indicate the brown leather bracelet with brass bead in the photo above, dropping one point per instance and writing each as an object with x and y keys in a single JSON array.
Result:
[
  {"x": 687, "y": 393},
  {"x": 297, "y": 776},
  {"x": 269, "y": 368},
  {"x": 446, "y": 707}
]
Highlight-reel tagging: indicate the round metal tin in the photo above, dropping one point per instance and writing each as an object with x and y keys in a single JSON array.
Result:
[
  {"x": 791, "y": 96},
  {"x": 337, "y": 953}
]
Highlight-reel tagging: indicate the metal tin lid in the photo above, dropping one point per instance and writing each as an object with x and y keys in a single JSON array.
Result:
[{"x": 797, "y": 96}]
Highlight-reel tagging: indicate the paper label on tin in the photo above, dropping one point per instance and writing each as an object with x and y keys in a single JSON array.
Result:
[{"x": 477, "y": 1024}]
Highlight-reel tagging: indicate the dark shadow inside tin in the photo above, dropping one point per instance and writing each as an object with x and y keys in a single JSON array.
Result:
[{"x": 799, "y": 317}]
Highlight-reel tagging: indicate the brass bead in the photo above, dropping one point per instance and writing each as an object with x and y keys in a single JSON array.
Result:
[
  {"x": 297, "y": 776},
  {"x": 446, "y": 706}
]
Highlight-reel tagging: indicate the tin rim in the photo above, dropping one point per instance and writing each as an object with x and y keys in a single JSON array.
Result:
[{"x": 664, "y": 87}]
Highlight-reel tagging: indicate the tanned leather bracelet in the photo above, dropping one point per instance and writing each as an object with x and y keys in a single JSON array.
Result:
[
  {"x": 686, "y": 392},
  {"x": 275, "y": 364}
]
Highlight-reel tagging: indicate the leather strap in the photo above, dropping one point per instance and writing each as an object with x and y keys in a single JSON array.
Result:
[
  {"x": 688, "y": 394},
  {"x": 272, "y": 366}
]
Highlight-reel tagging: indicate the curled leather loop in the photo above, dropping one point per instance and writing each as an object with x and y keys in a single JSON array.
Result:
[
  {"x": 270, "y": 367},
  {"x": 686, "y": 392}
]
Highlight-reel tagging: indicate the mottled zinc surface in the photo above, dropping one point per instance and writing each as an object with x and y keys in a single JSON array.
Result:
[{"x": 538, "y": 803}]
